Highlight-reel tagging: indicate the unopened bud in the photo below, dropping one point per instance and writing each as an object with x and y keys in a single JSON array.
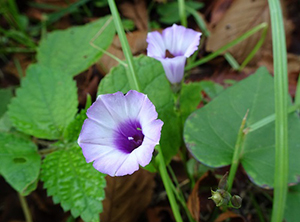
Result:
[
  {"x": 236, "y": 201},
  {"x": 220, "y": 197},
  {"x": 223, "y": 182}
]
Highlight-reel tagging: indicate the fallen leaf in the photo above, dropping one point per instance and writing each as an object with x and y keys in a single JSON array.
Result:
[
  {"x": 127, "y": 197},
  {"x": 242, "y": 16},
  {"x": 218, "y": 10},
  {"x": 137, "y": 43},
  {"x": 230, "y": 215},
  {"x": 136, "y": 11},
  {"x": 198, "y": 199}
]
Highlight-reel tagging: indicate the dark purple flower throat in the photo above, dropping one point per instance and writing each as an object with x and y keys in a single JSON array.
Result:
[{"x": 129, "y": 136}]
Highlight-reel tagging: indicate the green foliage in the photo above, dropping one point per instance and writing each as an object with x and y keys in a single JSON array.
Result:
[
  {"x": 211, "y": 88},
  {"x": 5, "y": 96},
  {"x": 292, "y": 204},
  {"x": 70, "y": 49},
  {"x": 211, "y": 132},
  {"x": 190, "y": 97},
  {"x": 154, "y": 83},
  {"x": 20, "y": 162},
  {"x": 169, "y": 12},
  {"x": 73, "y": 183},
  {"x": 45, "y": 103}
]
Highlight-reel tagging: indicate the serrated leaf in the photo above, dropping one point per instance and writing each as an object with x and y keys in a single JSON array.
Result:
[
  {"x": 20, "y": 162},
  {"x": 154, "y": 83},
  {"x": 211, "y": 132},
  {"x": 5, "y": 96},
  {"x": 45, "y": 103},
  {"x": 73, "y": 183},
  {"x": 70, "y": 49}
]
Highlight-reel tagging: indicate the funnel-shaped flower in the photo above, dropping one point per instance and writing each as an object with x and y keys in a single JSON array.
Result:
[
  {"x": 120, "y": 133},
  {"x": 171, "y": 48}
]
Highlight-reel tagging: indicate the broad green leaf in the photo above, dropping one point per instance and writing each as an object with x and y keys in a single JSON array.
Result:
[
  {"x": 45, "y": 103},
  {"x": 5, "y": 96},
  {"x": 5, "y": 124},
  {"x": 190, "y": 97},
  {"x": 73, "y": 183},
  {"x": 154, "y": 83},
  {"x": 20, "y": 162},
  {"x": 169, "y": 11},
  {"x": 70, "y": 49},
  {"x": 292, "y": 204},
  {"x": 210, "y": 133}
]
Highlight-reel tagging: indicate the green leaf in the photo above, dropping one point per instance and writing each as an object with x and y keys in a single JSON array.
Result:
[
  {"x": 73, "y": 183},
  {"x": 169, "y": 11},
  {"x": 45, "y": 103},
  {"x": 211, "y": 88},
  {"x": 5, "y": 97},
  {"x": 154, "y": 83},
  {"x": 190, "y": 97},
  {"x": 211, "y": 132},
  {"x": 20, "y": 162},
  {"x": 292, "y": 204},
  {"x": 70, "y": 49}
]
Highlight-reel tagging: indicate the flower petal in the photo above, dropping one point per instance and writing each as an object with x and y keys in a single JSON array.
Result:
[
  {"x": 128, "y": 166},
  {"x": 93, "y": 132},
  {"x": 110, "y": 163},
  {"x": 174, "y": 68},
  {"x": 152, "y": 131},
  {"x": 156, "y": 46},
  {"x": 181, "y": 41},
  {"x": 144, "y": 152},
  {"x": 134, "y": 102}
]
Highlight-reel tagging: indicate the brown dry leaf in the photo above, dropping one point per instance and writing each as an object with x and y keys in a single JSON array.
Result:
[
  {"x": 127, "y": 197},
  {"x": 136, "y": 11},
  {"x": 137, "y": 43},
  {"x": 198, "y": 199},
  {"x": 218, "y": 10},
  {"x": 242, "y": 16},
  {"x": 229, "y": 214}
]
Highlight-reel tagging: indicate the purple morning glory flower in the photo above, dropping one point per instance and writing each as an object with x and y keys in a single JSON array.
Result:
[
  {"x": 120, "y": 133},
  {"x": 171, "y": 48}
]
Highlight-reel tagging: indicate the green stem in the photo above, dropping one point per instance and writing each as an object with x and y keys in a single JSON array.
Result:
[
  {"x": 199, "y": 20},
  {"x": 269, "y": 119},
  {"x": 131, "y": 74},
  {"x": 168, "y": 184},
  {"x": 25, "y": 208},
  {"x": 229, "y": 45},
  {"x": 281, "y": 111},
  {"x": 237, "y": 153},
  {"x": 182, "y": 15}
]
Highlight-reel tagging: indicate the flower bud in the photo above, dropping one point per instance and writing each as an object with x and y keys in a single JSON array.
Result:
[
  {"x": 220, "y": 197},
  {"x": 236, "y": 201}
]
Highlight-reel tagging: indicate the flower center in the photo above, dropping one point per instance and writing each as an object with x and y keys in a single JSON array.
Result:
[
  {"x": 128, "y": 136},
  {"x": 169, "y": 54}
]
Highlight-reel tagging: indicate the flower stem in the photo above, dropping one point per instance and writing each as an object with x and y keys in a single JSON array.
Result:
[
  {"x": 182, "y": 15},
  {"x": 131, "y": 74},
  {"x": 25, "y": 208},
  {"x": 167, "y": 183},
  {"x": 237, "y": 153},
  {"x": 281, "y": 111}
]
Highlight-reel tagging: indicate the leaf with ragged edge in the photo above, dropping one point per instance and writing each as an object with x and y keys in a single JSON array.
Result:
[
  {"x": 291, "y": 213},
  {"x": 210, "y": 133},
  {"x": 45, "y": 103},
  {"x": 190, "y": 97},
  {"x": 5, "y": 96},
  {"x": 70, "y": 49},
  {"x": 20, "y": 162},
  {"x": 73, "y": 183},
  {"x": 154, "y": 83}
]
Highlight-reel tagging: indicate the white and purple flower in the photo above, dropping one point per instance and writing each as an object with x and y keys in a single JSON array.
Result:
[
  {"x": 120, "y": 133},
  {"x": 171, "y": 48}
]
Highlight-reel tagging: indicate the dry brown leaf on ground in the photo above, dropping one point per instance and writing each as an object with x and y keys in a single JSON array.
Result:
[
  {"x": 137, "y": 43},
  {"x": 198, "y": 199},
  {"x": 136, "y": 11},
  {"x": 230, "y": 215},
  {"x": 127, "y": 197},
  {"x": 218, "y": 10},
  {"x": 242, "y": 16}
]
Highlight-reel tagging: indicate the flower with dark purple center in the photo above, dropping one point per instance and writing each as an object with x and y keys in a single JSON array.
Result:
[
  {"x": 171, "y": 48},
  {"x": 120, "y": 133}
]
